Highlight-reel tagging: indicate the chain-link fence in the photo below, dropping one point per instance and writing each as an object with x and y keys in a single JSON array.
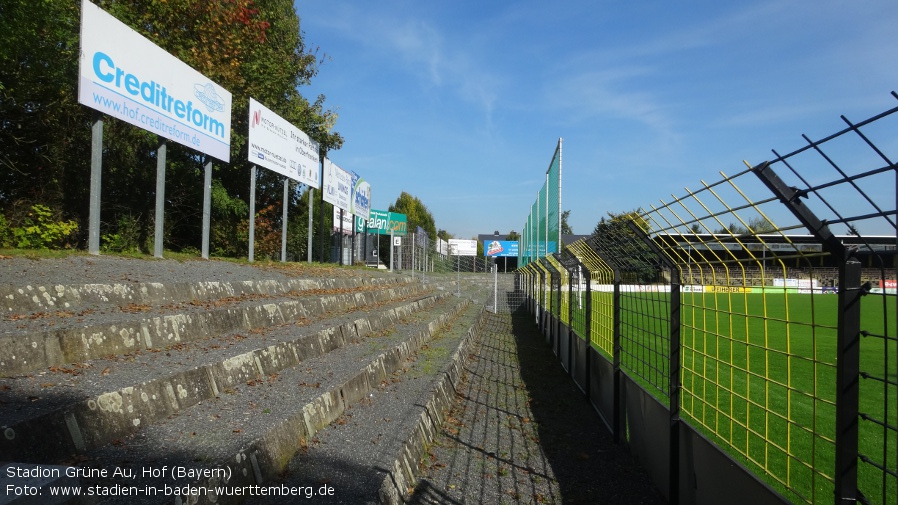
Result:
[{"x": 741, "y": 338}]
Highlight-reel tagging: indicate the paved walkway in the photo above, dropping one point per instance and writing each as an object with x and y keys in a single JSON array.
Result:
[{"x": 521, "y": 432}]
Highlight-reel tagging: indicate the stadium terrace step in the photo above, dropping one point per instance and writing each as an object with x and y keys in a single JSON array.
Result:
[
  {"x": 34, "y": 299},
  {"x": 72, "y": 410},
  {"x": 372, "y": 452},
  {"x": 31, "y": 341},
  {"x": 246, "y": 434}
]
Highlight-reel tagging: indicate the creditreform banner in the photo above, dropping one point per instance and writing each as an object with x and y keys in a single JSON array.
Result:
[
  {"x": 279, "y": 146},
  {"x": 122, "y": 74}
]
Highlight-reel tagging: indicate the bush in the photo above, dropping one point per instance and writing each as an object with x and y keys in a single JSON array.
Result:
[
  {"x": 126, "y": 239},
  {"x": 40, "y": 231},
  {"x": 6, "y": 235}
]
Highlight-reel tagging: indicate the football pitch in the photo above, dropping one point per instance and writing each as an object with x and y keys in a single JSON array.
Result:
[{"x": 758, "y": 376}]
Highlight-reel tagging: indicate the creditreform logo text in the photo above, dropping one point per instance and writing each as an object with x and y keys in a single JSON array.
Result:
[{"x": 157, "y": 96}]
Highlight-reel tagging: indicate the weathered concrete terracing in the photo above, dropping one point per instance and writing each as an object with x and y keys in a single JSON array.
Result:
[
  {"x": 144, "y": 325},
  {"x": 98, "y": 419},
  {"x": 217, "y": 378}
]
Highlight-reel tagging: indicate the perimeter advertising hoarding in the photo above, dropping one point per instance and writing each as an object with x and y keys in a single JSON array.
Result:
[
  {"x": 461, "y": 247},
  {"x": 383, "y": 223},
  {"x": 337, "y": 186},
  {"x": 279, "y": 146},
  {"x": 122, "y": 74},
  {"x": 347, "y": 221},
  {"x": 500, "y": 248},
  {"x": 361, "y": 197}
]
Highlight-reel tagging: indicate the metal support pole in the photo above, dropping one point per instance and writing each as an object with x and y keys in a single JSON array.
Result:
[
  {"x": 252, "y": 213},
  {"x": 96, "y": 175},
  {"x": 311, "y": 226},
  {"x": 587, "y": 382},
  {"x": 495, "y": 289},
  {"x": 207, "y": 207},
  {"x": 286, "y": 206},
  {"x": 847, "y": 381},
  {"x": 616, "y": 357},
  {"x": 674, "y": 387},
  {"x": 160, "y": 199},
  {"x": 341, "y": 238},
  {"x": 848, "y": 338},
  {"x": 570, "y": 324}
]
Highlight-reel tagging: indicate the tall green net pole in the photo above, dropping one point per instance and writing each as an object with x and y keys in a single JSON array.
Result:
[{"x": 542, "y": 231}]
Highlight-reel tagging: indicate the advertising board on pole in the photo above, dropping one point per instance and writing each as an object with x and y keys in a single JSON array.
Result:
[
  {"x": 462, "y": 247},
  {"x": 500, "y": 248},
  {"x": 279, "y": 146},
  {"x": 361, "y": 197},
  {"x": 347, "y": 221},
  {"x": 337, "y": 189},
  {"x": 385, "y": 223},
  {"x": 122, "y": 74}
]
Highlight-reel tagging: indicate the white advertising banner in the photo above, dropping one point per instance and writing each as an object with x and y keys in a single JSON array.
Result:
[
  {"x": 347, "y": 221},
  {"x": 122, "y": 74},
  {"x": 337, "y": 186},
  {"x": 279, "y": 146},
  {"x": 460, "y": 247},
  {"x": 361, "y": 197}
]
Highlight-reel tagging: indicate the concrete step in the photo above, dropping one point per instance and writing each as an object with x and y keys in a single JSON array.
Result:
[
  {"x": 72, "y": 410},
  {"x": 48, "y": 299},
  {"x": 246, "y": 435},
  {"x": 372, "y": 453},
  {"x": 35, "y": 341}
]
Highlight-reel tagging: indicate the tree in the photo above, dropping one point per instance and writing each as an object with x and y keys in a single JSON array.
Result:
[
  {"x": 253, "y": 48},
  {"x": 566, "y": 228},
  {"x": 626, "y": 247},
  {"x": 513, "y": 235},
  {"x": 416, "y": 214}
]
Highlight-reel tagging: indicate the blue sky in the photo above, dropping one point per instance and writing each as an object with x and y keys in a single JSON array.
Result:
[{"x": 462, "y": 103}]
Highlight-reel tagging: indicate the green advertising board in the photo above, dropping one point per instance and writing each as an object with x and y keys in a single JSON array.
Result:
[{"x": 384, "y": 223}]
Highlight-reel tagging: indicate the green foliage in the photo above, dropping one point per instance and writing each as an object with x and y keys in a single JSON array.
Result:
[
  {"x": 416, "y": 213},
  {"x": 249, "y": 47},
  {"x": 127, "y": 237},
  {"x": 229, "y": 234},
  {"x": 565, "y": 227},
  {"x": 6, "y": 235},
  {"x": 41, "y": 231},
  {"x": 626, "y": 248}
]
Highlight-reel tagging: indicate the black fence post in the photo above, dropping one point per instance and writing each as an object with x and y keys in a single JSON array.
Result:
[
  {"x": 848, "y": 338},
  {"x": 588, "y": 336},
  {"x": 616, "y": 355},
  {"x": 847, "y": 381},
  {"x": 674, "y": 388}
]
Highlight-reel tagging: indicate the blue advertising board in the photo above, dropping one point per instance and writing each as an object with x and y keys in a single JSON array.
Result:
[{"x": 500, "y": 248}]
